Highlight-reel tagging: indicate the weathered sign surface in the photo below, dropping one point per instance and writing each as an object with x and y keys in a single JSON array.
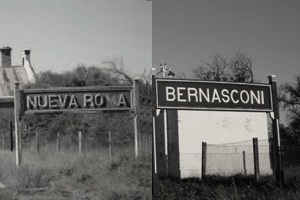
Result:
[
  {"x": 90, "y": 99},
  {"x": 209, "y": 95}
]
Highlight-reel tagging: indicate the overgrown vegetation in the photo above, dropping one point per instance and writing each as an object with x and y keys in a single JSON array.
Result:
[
  {"x": 233, "y": 187},
  {"x": 66, "y": 174},
  {"x": 290, "y": 102}
]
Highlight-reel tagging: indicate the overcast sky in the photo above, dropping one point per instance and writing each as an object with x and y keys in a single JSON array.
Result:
[
  {"x": 63, "y": 33},
  {"x": 187, "y": 32}
]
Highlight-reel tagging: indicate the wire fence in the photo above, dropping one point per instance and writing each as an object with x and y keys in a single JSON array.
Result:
[
  {"x": 82, "y": 144},
  {"x": 229, "y": 159},
  {"x": 238, "y": 158}
]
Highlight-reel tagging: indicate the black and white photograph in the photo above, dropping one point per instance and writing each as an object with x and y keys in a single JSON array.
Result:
[
  {"x": 142, "y": 99},
  {"x": 226, "y": 85},
  {"x": 75, "y": 99}
]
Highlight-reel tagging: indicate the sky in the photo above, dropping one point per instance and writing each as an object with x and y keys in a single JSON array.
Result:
[
  {"x": 64, "y": 33},
  {"x": 186, "y": 33}
]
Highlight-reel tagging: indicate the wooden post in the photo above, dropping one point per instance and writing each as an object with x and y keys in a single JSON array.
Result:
[
  {"x": 80, "y": 142},
  {"x": 204, "y": 157},
  {"x": 136, "y": 96},
  {"x": 110, "y": 146},
  {"x": 173, "y": 145},
  {"x": 279, "y": 174},
  {"x": 3, "y": 141},
  {"x": 11, "y": 136},
  {"x": 136, "y": 144},
  {"x": 244, "y": 163},
  {"x": 37, "y": 141},
  {"x": 17, "y": 113},
  {"x": 255, "y": 157},
  {"x": 140, "y": 131},
  {"x": 58, "y": 142},
  {"x": 147, "y": 138}
]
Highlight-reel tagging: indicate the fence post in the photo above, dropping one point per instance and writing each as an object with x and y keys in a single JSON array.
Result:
[
  {"x": 256, "y": 159},
  {"x": 204, "y": 153},
  {"x": 11, "y": 136},
  {"x": 37, "y": 141},
  {"x": 80, "y": 142},
  {"x": 140, "y": 131},
  {"x": 3, "y": 141},
  {"x": 58, "y": 142},
  {"x": 147, "y": 148},
  {"x": 244, "y": 163},
  {"x": 110, "y": 146}
]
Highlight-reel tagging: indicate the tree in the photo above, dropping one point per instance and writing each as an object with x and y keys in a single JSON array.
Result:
[
  {"x": 241, "y": 67},
  {"x": 218, "y": 68},
  {"x": 214, "y": 69},
  {"x": 290, "y": 102}
]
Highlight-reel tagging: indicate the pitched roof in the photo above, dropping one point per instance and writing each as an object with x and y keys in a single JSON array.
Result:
[{"x": 9, "y": 76}]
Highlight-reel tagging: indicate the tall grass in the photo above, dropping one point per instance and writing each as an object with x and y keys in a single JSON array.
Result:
[
  {"x": 67, "y": 174},
  {"x": 233, "y": 187}
]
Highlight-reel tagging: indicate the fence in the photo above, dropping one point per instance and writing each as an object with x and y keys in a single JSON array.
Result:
[
  {"x": 81, "y": 144},
  {"x": 251, "y": 157},
  {"x": 241, "y": 158},
  {"x": 248, "y": 157}
]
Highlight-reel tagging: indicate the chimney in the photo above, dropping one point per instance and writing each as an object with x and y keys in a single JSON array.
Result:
[
  {"x": 25, "y": 56},
  {"x": 6, "y": 56},
  {"x": 27, "y": 65}
]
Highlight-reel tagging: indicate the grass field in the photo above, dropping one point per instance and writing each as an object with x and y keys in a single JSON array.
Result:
[
  {"x": 234, "y": 187},
  {"x": 67, "y": 175}
]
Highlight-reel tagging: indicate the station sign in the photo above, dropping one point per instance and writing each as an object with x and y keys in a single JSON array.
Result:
[
  {"x": 81, "y": 99},
  {"x": 212, "y": 95}
]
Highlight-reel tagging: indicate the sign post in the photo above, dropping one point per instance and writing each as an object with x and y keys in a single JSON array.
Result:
[
  {"x": 17, "y": 113},
  {"x": 155, "y": 179},
  {"x": 279, "y": 175},
  {"x": 135, "y": 101}
]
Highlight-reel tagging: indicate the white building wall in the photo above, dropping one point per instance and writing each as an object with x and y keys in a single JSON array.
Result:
[{"x": 215, "y": 127}]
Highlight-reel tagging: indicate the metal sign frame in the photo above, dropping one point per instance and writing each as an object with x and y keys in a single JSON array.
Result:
[
  {"x": 79, "y": 91},
  {"x": 158, "y": 106}
]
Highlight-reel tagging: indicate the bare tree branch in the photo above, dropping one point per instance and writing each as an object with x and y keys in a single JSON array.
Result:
[
  {"x": 119, "y": 71},
  {"x": 32, "y": 128}
]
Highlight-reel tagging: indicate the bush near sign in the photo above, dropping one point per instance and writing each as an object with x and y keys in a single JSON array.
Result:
[{"x": 209, "y": 95}]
